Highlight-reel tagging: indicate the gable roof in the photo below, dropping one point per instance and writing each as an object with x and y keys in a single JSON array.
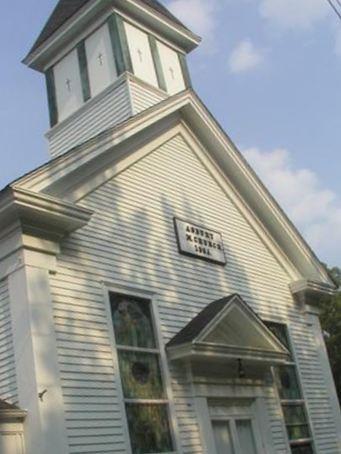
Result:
[
  {"x": 228, "y": 329},
  {"x": 191, "y": 331},
  {"x": 65, "y": 9},
  {"x": 70, "y": 176}
]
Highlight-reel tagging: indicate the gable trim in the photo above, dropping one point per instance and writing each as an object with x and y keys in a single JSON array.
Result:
[
  {"x": 182, "y": 346},
  {"x": 227, "y": 157},
  {"x": 161, "y": 135},
  {"x": 121, "y": 161},
  {"x": 231, "y": 192}
]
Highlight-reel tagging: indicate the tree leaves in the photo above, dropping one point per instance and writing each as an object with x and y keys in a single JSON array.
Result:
[{"x": 331, "y": 325}]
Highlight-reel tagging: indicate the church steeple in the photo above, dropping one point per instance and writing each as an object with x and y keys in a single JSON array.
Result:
[{"x": 105, "y": 61}]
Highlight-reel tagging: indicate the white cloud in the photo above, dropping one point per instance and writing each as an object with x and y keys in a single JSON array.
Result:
[
  {"x": 294, "y": 14},
  {"x": 198, "y": 15},
  {"x": 245, "y": 57},
  {"x": 313, "y": 208}
]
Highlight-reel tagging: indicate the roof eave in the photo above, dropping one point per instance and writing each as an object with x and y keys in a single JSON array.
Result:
[
  {"x": 202, "y": 351},
  {"x": 311, "y": 292},
  {"x": 12, "y": 415},
  {"x": 40, "y": 212},
  {"x": 38, "y": 58}
]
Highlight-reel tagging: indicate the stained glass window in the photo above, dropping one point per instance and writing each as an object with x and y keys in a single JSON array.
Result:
[
  {"x": 147, "y": 408},
  {"x": 305, "y": 448},
  {"x": 296, "y": 422},
  {"x": 132, "y": 320},
  {"x": 149, "y": 428},
  {"x": 291, "y": 397},
  {"x": 140, "y": 375},
  {"x": 288, "y": 384}
]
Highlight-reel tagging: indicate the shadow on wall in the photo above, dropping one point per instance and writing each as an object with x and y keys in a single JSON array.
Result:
[{"x": 131, "y": 242}]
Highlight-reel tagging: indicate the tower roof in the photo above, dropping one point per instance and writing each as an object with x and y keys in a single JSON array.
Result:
[{"x": 65, "y": 9}]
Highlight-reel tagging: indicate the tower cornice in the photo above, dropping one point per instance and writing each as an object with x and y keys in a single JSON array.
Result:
[{"x": 67, "y": 27}]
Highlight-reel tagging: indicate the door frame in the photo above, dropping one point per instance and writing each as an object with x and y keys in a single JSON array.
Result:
[{"x": 256, "y": 395}]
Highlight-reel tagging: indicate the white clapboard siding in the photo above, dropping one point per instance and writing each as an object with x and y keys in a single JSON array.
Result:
[
  {"x": 144, "y": 96},
  {"x": 130, "y": 241},
  {"x": 315, "y": 389},
  {"x": 8, "y": 385},
  {"x": 107, "y": 109},
  {"x": 126, "y": 97}
]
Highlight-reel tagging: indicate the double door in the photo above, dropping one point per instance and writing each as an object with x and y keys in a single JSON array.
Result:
[
  {"x": 11, "y": 442},
  {"x": 235, "y": 430}
]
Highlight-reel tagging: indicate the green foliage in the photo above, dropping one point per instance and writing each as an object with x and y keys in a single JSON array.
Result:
[
  {"x": 331, "y": 325},
  {"x": 336, "y": 275}
]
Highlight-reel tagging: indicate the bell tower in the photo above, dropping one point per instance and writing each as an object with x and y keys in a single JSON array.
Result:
[{"x": 106, "y": 61}]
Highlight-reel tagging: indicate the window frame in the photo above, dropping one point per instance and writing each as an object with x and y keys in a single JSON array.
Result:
[
  {"x": 292, "y": 402},
  {"x": 160, "y": 349}
]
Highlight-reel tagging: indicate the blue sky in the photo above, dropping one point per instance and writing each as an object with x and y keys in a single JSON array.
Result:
[{"x": 270, "y": 72}]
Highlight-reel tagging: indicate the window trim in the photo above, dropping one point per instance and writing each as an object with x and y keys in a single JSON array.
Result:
[{"x": 152, "y": 297}]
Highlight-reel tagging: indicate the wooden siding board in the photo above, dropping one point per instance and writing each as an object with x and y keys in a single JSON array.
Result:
[
  {"x": 130, "y": 241},
  {"x": 314, "y": 388},
  {"x": 143, "y": 96},
  {"x": 109, "y": 108},
  {"x": 8, "y": 383}
]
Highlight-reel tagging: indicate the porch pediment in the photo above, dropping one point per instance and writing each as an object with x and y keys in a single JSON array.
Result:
[
  {"x": 10, "y": 412},
  {"x": 227, "y": 329}
]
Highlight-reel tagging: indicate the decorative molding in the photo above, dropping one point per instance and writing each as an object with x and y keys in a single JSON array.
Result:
[
  {"x": 199, "y": 339},
  {"x": 205, "y": 351},
  {"x": 311, "y": 293},
  {"x": 33, "y": 225},
  {"x": 37, "y": 59},
  {"x": 39, "y": 213},
  {"x": 186, "y": 39},
  {"x": 12, "y": 415}
]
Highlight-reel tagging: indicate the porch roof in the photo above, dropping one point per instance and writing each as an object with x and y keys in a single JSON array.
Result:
[
  {"x": 228, "y": 329},
  {"x": 10, "y": 412}
]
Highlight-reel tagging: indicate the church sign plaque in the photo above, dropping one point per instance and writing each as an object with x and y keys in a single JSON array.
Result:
[{"x": 200, "y": 242}]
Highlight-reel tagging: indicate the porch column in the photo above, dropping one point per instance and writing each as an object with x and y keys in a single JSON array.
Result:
[{"x": 38, "y": 378}]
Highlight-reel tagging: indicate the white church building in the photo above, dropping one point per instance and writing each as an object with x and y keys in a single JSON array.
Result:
[{"x": 154, "y": 298}]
